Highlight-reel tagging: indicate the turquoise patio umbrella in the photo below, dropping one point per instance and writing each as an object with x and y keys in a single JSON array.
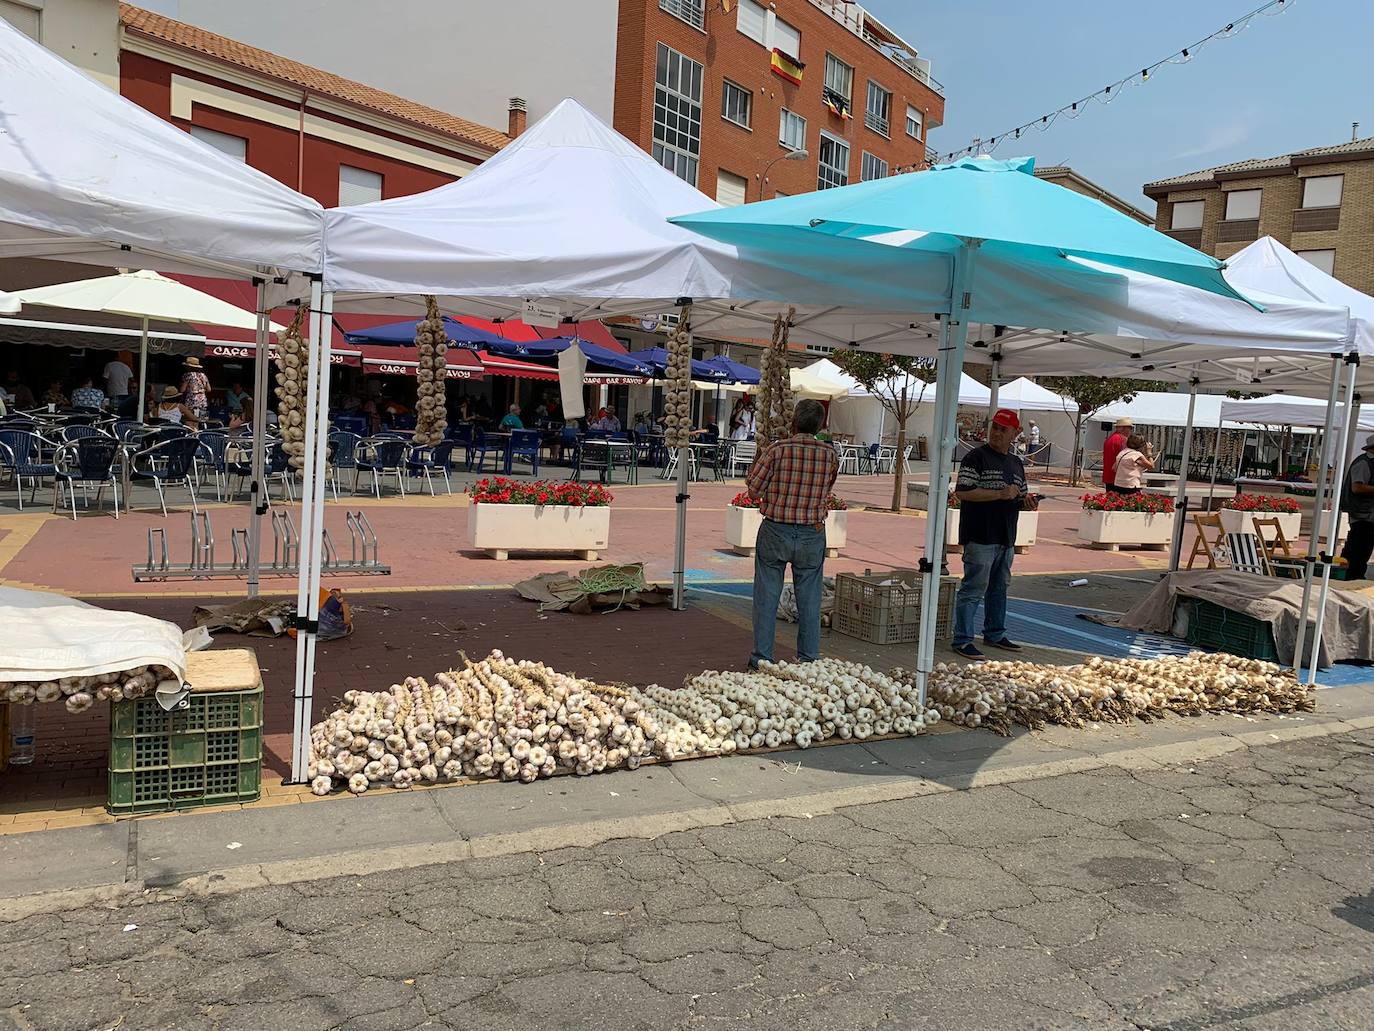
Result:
[{"x": 1019, "y": 250}]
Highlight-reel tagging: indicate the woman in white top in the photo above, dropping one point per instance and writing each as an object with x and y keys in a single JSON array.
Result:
[
  {"x": 744, "y": 429},
  {"x": 1133, "y": 461},
  {"x": 171, "y": 410}
]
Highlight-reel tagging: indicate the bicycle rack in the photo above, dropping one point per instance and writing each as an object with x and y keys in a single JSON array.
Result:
[{"x": 363, "y": 559}]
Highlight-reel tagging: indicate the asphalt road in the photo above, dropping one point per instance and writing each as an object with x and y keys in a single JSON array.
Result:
[{"x": 1234, "y": 893}]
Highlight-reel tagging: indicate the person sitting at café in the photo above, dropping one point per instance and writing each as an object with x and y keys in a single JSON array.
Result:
[
  {"x": 173, "y": 410},
  {"x": 241, "y": 422},
  {"x": 53, "y": 396},
  {"x": 511, "y": 420},
  {"x": 88, "y": 395},
  {"x": 610, "y": 422},
  {"x": 1132, "y": 462},
  {"x": 19, "y": 395},
  {"x": 233, "y": 397}
]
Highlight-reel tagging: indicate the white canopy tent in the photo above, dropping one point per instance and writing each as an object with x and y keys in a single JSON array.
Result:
[
  {"x": 1284, "y": 410},
  {"x": 87, "y": 176},
  {"x": 1161, "y": 408},
  {"x": 1024, "y": 395}
]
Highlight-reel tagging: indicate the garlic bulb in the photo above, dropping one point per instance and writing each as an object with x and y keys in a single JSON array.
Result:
[
  {"x": 113, "y": 686},
  {"x": 431, "y": 376},
  {"x": 776, "y": 402},
  {"x": 293, "y": 371},
  {"x": 677, "y": 398}
]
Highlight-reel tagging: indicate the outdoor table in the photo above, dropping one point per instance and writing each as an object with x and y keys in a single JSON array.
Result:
[
  {"x": 613, "y": 447},
  {"x": 699, "y": 453}
]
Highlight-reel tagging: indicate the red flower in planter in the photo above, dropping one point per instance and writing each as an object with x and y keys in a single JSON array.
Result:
[
  {"x": 1151, "y": 504},
  {"x": 501, "y": 490},
  {"x": 1277, "y": 503}
]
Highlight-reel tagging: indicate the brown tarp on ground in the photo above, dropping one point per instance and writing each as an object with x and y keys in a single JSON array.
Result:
[
  {"x": 257, "y": 617},
  {"x": 568, "y": 592},
  {"x": 1348, "y": 633}
]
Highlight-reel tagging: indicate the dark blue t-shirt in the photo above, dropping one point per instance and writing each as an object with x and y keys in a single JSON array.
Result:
[{"x": 989, "y": 522}]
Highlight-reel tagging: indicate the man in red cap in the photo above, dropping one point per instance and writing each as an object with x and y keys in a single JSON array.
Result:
[{"x": 992, "y": 492}]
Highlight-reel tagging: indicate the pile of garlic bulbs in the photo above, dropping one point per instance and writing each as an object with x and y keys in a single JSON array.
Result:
[
  {"x": 293, "y": 369},
  {"x": 677, "y": 397},
  {"x": 431, "y": 374},
  {"x": 776, "y": 402},
  {"x": 997, "y": 694},
  {"x": 80, "y": 693},
  {"x": 781, "y": 704},
  {"x": 516, "y": 720}
]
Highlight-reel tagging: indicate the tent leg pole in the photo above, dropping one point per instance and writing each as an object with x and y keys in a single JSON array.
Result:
[
  {"x": 1352, "y": 362},
  {"x": 684, "y": 458},
  {"x": 1181, "y": 494},
  {"x": 256, "y": 508},
  {"x": 1216, "y": 464},
  {"x": 305, "y": 605},
  {"x": 995, "y": 383},
  {"x": 1318, "y": 505},
  {"x": 954, "y": 335},
  {"x": 143, "y": 370}
]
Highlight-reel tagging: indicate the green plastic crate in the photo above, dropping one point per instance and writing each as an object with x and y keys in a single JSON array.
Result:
[
  {"x": 1211, "y": 626},
  {"x": 209, "y": 753}
]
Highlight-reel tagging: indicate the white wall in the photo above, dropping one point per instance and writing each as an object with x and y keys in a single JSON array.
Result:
[
  {"x": 83, "y": 32},
  {"x": 466, "y": 58},
  {"x": 864, "y": 417}
]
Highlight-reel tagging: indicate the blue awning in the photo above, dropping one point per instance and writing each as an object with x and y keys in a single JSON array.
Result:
[
  {"x": 404, "y": 333},
  {"x": 657, "y": 358},
  {"x": 737, "y": 371}
]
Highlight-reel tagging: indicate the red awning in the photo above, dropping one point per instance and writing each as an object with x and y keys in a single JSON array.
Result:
[
  {"x": 509, "y": 329},
  {"x": 382, "y": 360},
  {"x": 224, "y": 350},
  {"x": 498, "y": 365},
  {"x": 591, "y": 331}
]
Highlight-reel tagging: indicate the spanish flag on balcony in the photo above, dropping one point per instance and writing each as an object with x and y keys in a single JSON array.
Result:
[
  {"x": 787, "y": 67},
  {"x": 836, "y": 104}
]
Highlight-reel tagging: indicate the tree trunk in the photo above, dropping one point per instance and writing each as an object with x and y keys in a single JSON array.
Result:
[
  {"x": 1076, "y": 463},
  {"x": 897, "y": 468}
]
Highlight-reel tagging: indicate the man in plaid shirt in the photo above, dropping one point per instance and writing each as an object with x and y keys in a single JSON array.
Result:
[{"x": 792, "y": 481}]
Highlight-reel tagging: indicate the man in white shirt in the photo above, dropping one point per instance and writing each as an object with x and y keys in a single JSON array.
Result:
[{"x": 117, "y": 375}]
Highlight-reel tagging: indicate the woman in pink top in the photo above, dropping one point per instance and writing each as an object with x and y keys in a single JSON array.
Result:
[
  {"x": 1134, "y": 460},
  {"x": 195, "y": 385}
]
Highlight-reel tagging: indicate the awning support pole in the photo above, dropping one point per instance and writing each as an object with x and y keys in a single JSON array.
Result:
[
  {"x": 1328, "y": 556},
  {"x": 953, "y": 338},
  {"x": 142, "y": 369},
  {"x": 1318, "y": 506},
  {"x": 257, "y": 508},
  {"x": 1181, "y": 493}
]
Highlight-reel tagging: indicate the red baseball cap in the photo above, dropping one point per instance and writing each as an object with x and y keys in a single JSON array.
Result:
[{"x": 1008, "y": 418}]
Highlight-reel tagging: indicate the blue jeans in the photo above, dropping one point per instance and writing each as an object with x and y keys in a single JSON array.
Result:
[
  {"x": 804, "y": 547},
  {"x": 987, "y": 572}
]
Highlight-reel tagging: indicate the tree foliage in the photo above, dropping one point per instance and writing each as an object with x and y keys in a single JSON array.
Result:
[{"x": 899, "y": 383}]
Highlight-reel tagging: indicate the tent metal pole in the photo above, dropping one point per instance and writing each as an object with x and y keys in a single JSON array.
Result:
[
  {"x": 1318, "y": 505},
  {"x": 316, "y": 480},
  {"x": 1181, "y": 494},
  {"x": 142, "y": 369},
  {"x": 257, "y": 507},
  {"x": 995, "y": 382},
  {"x": 1216, "y": 464},
  {"x": 300, "y": 741},
  {"x": 954, "y": 336},
  {"x": 1352, "y": 362}
]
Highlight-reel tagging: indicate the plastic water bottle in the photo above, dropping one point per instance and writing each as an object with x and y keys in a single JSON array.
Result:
[{"x": 21, "y": 734}]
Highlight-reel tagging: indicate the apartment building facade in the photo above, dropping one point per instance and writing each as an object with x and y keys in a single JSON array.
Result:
[
  {"x": 747, "y": 101},
  {"x": 1318, "y": 202}
]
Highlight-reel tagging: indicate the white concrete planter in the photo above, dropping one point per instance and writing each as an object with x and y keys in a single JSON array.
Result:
[
  {"x": 500, "y": 529},
  {"x": 1027, "y": 527},
  {"x": 1241, "y": 522},
  {"x": 742, "y": 530},
  {"x": 1110, "y": 530},
  {"x": 1305, "y": 527}
]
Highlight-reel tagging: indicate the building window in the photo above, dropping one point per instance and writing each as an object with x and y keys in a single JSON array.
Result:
[
  {"x": 736, "y": 104},
  {"x": 677, "y": 113},
  {"x": 792, "y": 130},
  {"x": 872, "y": 167},
  {"x": 834, "y": 163},
  {"x": 27, "y": 19},
  {"x": 693, "y": 12},
  {"x": 752, "y": 20},
  {"x": 839, "y": 78},
  {"x": 1322, "y": 191},
  {"x": 786, "y": 38},
  {"x": 1187, "y": 215},
  {"x": 1242, "y": 204},
  {"x": 915, "y": 122},
  {"x": 878, "y": 110},
  {"x": 234, "y": 146},
  {"x": 358, "y": 186},
  {"x": 730, "y": 188},
  {"x": 1324, "y": 260}
]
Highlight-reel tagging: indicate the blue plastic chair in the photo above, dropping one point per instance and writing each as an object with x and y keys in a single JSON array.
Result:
[
  {"x": 77, "y": 432},
  {"x": 216, "y": 457},
  {"x": 480, "y": 447},
  {"x": 355, "y": 424},
  {"x": 21, "y": 452},
  {"x": 425, "y": 461},
  {"x": 379, "y": 456},
  {"x": 171, "y": 461},
  {"x": 87, "y": 460},
  {"x": 343, "y": 454},
  {"x": 524, "y": 444},
  {"x": 571, "y": 443}
]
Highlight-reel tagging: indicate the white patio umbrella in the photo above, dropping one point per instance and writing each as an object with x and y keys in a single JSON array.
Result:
[
  {"x": 825, "y": 381},
  {"x": 143, "y": 295},
  {"x": 9, "y": 304}
]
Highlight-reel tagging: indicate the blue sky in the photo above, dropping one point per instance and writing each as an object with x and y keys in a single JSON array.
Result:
[{"x": 1288, "y": 82}]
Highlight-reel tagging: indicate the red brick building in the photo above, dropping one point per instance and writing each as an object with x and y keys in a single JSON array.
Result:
[{"x": 726, "y": 94}]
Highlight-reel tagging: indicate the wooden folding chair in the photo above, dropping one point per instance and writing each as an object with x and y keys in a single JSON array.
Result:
[
  {"x": 1202, "y": 547},
  {"x": 1277, "y": 554}
]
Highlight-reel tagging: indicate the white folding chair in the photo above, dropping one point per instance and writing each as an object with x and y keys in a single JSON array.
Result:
[{"x": 1246, "y": 556}]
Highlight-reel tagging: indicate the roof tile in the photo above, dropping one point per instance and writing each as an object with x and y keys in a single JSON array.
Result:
[
  {"x": 1261, "y": 164},
  {"x": 263, "y": 62}
]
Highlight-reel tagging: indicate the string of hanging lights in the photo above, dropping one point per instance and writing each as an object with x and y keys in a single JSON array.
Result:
[{"x": 1073, "y": 109}]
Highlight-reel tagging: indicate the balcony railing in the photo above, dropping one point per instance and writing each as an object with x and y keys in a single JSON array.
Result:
[
  {"x": 1238, "y": 230},
  {"x": 1316, "y": 220},
  {"x": 693, "y": 12},
  {"x": 1192, "y": 237},
  {"x": 910, "y": 65}
]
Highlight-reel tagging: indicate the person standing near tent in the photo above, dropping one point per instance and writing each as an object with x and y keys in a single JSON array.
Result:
[
  {"x": 117, "y": 375},
  {"x": 992, "y": 492},
  {"x": 1114, "y": 445},
  {"x": 1132, "y": 463},
  {"x": 1358, "y": 501},
  {"x": 745, "y": 425},
  {"x": 195, "y": 389},
  {"x": 792, "y": 481}
]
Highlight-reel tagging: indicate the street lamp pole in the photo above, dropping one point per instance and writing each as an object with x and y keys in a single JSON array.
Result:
[{"x": 791, "y": 155}]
